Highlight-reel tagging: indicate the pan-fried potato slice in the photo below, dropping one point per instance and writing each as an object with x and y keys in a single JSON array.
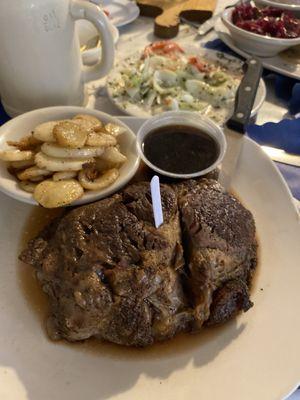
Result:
[
  {"x": 63, "y": 175},
  {"x": 100, "y": 140},
  {"x": 29, "y": 187},
  {"x": 103, "y": 165},
  {"x": 50, "y": 194},
  {"x": 86, "y": 117},
  {"x": 70, "y": 134},
  {"x": 104, "y": 180},
  {"x": 44, "y": 131},
  {"x": 113, "y": 155},
  {"x": 87, "y": 122},
  {"x": 33, "y": 172},
  {"x": 61, "y": 164},
  {"x": 22, "y": 164},
  {"x": 54, "y": 150},
  {"x": 15, "y": 155},
  {"x": 26, "y": 143},
  {"x": 37, "y": 179},
  {"x": 114, "y": 129}
]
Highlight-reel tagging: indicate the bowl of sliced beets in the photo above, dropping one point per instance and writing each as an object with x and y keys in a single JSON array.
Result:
[{"x": 262, "y": 31}]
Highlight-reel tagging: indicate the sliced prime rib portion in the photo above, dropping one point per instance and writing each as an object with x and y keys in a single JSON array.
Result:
[
  {"x": 111, "y": 274},
  {"x": 219, "y": 238},
  {"x": 230, "y": 298}
]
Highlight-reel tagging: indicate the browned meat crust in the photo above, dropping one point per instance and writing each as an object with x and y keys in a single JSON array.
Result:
[
  {"x": 219, "y": 237},
  {"x": 109, "y": 273}
]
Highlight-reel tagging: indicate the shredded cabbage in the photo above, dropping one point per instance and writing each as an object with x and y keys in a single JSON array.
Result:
[{"x": 158, "y": 83}]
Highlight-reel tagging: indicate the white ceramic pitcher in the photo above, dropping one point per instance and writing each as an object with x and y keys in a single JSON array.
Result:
[{"x": 40, "y": 60}]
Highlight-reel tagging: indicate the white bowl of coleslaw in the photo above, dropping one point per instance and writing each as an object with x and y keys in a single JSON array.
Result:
[{"x": 187, "y": 79}]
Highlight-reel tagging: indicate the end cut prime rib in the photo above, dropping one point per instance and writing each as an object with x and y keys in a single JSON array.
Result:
[{"x": 109, "y": 273}]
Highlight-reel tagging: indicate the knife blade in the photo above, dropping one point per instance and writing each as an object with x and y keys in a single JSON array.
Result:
[
  {"x": 208, "y": 25},
  {"x": 235, "y": 127}
]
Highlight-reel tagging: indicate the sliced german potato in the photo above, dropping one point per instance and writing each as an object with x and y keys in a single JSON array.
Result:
[
  {"x": 44, "y": 132},
  {"x": 33, "y": 172},
  {"x": 61, "y": 164},
  {"x": 50, "y": 194},
  {"x": 95, "y": 139},
  {"x": 103, "y": 165},
  {"x": 63, "y": 175},
  {"x": 26, "y": 143},
  {"x": 114, "y": 129},
  {"x": 86, "y": 117},
  {"x": 104, "y": 180},
  {"x": 29, "y": 187},
  {"x": 70, "y": 134},
  {"x": 87, "y": 122},
  {"x": 37, "y": 179},
  {"x": 113, "y": 155},
  {"x": 54, "y": 150},
  {"x": 22, "y": 164},
  {"x": 15, "y": 155}
]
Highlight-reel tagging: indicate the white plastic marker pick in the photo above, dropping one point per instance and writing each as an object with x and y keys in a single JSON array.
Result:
[{"x": 156, "y": 201}]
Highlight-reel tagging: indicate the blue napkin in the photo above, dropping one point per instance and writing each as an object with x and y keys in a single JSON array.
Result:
[
  {"x": 284, "y": 135},
  {"x": 3, "y": 116}
]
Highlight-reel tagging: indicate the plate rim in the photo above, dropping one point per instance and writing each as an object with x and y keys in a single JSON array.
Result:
[{"x": 130, "y": 6}]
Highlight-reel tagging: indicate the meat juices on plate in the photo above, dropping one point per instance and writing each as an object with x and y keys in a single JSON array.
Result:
[{"x": 111, "y": 274}]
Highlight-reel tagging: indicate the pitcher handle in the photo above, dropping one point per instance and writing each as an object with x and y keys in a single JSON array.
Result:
[{"x": 81, "y": 9}]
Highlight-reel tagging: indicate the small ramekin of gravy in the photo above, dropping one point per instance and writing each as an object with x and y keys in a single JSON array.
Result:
[{"x": 181, "y": 144}]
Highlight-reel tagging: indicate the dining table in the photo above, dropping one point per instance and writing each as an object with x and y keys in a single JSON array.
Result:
[
  {"x": 141, "y": 32},
  {"x": 137, "y": 35}
]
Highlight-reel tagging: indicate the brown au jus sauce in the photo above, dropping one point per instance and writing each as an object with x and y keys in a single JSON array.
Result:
[{"x": 180, "y": 149}]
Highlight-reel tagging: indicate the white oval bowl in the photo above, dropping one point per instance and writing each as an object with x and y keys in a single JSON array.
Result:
[
  {"x": 264, "y": 46},
  {"x": 295, "y": 8},
  {"x": 25, "y": 123},
  {"x": 185, "y": 118}
]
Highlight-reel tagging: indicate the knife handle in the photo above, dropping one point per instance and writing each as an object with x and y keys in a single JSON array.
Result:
[{"x": 245, "y": 95}]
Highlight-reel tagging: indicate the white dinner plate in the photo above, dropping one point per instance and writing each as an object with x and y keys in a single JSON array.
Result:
[
  {"x": 285, "y": 63},
  {"x": 121, "y": 12},
  {"x": 137, "y": 110},
  {"x": 254, "y": 357}
]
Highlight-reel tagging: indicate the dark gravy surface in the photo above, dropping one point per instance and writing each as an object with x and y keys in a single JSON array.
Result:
[{"x": 180, "y": 149}]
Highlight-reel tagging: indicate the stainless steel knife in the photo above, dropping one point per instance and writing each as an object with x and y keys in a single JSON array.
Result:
[
  {"x": 235, "y": 127},
  {"x": 205, "y": 27},
  {"x": 209, "y": 24}
]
